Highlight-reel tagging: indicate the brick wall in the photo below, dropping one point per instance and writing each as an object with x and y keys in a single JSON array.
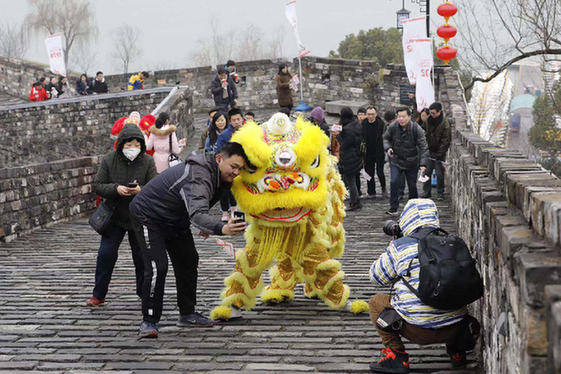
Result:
[
  {"x": 67, "y": 128},
  {"x": 508, "y": 210},
  {"x": 324, "y": 80},
  {"x": 16, "y": 76},
  {"x": 40, "y": 195}
]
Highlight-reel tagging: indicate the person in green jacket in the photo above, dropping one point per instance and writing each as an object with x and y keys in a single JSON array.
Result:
[
  {"x": 439, "y": 137},
  {"x": 121, "y": 175}
]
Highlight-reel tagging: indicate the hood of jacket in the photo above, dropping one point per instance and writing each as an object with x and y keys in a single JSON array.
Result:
[
  {"x": 130, "y": 131},
  {"x": 418, "y": 213},
  {"x": 164, "y": 131},
  {"x": 353, "y": 126}
]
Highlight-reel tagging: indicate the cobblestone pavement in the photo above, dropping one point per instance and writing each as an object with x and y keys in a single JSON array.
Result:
[{"x": 46, "y": 278}]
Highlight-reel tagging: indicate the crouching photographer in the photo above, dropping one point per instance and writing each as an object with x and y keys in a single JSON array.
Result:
[{"x": 434, "y": 278}]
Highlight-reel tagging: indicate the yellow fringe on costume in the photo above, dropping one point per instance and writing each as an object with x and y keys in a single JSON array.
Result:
[
  {"x": 221, "y": 312},
  {"x": 359, "y": 306}
]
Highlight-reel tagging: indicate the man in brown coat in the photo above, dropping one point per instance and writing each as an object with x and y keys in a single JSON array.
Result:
[{"x": 439, "y": 136}]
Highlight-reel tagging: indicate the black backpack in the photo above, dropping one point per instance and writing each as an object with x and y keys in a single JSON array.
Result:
[{"x": 448, "y": 278}]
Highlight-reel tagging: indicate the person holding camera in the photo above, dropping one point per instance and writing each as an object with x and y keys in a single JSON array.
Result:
[
  {"x": 121, "y": 175},
  {"x": 408, "y": 313},
  {"x": 224, "y": 91},
  {"x": 406, "y": 147},
  {"x": 162, "y": 215}
]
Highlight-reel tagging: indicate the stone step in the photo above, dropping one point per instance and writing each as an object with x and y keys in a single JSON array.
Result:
[{"x": 334, "y": 107}]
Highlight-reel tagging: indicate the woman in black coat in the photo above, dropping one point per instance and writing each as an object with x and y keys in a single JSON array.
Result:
[
  {"x": 121, "y": 175},
  {"x": 350, "y": 156}
]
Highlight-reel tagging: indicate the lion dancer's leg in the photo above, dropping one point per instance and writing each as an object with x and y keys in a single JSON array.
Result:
[
  {"x": 284, "y": 278},
  {"x": 244, "y": 284},
  {"x": 324, "y": 277}
]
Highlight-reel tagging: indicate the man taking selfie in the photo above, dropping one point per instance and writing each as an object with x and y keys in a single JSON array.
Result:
[{"x": 162, "y": 214}]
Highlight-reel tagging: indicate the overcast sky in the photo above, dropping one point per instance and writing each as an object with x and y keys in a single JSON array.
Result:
[{"x": 171, "y": 28}]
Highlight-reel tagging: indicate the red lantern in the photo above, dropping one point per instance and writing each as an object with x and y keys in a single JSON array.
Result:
[
  {"x": 446, "y": 53},
  {"x": 446, "y": 32},
  {"x": 447, "y": 10}
]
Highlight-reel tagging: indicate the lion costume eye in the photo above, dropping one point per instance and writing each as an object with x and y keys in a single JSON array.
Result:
[
  {"x": 250, "y": 168},
  {"x": 315, "y": 164}
]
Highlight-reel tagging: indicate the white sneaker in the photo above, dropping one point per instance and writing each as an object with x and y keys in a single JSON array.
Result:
[
  {"x": 236, "y": 313},
  {"x": 225, "y": 217}
]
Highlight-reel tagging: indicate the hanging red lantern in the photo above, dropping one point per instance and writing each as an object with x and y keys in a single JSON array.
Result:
[
  {"x": 446, "y": 53},
  {"x": 446, "y": 32},
  {"x": 447, "y": 10}
]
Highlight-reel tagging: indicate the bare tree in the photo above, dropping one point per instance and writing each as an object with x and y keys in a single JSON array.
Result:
[
  {"x": 83, "y": 59},
  {"x": 250, "y": 45},
  {"x": 74, "y": 19},
  {"x": 13, "y": 42},
  {"x": 509, "y": 31},
  {"x": 277, "y": 42},
  {"x": 126, "y": 48}
]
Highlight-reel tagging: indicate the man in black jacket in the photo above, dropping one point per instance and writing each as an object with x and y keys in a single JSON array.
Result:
[
  {"x": 405, "y": 144},
  {"x": 373, "y": 132},
  {"x": 162, "y": 214},
  {"x": 99, "y": 86},
  {"x": 439, "y": 137},
  {"x": 350, "y": 157},
  {"x": 224, "y": 90}
]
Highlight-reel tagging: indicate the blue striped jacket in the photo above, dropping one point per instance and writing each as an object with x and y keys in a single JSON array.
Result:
[{"x": 394, "y": 263}]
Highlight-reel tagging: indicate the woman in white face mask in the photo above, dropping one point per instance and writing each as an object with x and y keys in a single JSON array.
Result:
[{"x": 120, "y": 177}]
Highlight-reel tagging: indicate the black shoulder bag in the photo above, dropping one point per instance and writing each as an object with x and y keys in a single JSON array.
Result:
[{"x": 101, "y": 219}]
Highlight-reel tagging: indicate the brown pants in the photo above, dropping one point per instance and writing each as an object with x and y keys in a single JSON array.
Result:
[{"x": 410, "y": 332}]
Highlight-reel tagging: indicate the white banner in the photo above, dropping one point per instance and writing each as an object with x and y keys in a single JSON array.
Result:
[
  {"x": 290, "y": 12},
  {"x": 414, "y": 28},
  {"x": 422, "y": 53},
  {"x": 56, "y": 54}
]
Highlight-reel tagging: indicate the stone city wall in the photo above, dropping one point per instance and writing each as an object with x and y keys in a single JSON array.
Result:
[
  {"x": 40, "y": 195},
  {"x": 508, "y": 210},
  {"x": 16, "y": 76},
  {"x": 59, "y": 143},
  {"x": 325, "y": 79},
  {"x": 67, "y": 128}
]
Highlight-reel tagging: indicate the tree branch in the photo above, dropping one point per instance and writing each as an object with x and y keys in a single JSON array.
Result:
[{"x": 512, "y": 61}]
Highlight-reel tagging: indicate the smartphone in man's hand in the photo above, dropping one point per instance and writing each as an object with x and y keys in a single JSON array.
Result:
[
  {"x": 240, "y": 215},
  {"x": 132, "y": 185}
]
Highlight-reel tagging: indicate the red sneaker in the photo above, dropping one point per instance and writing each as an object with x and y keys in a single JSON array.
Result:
[
  {"x": 458, "y": 358},
  {"x": 94, "y": 301},
  {"x": 394, "y": 362}
]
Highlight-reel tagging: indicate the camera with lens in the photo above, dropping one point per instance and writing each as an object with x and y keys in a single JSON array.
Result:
[{"x": 392, "y": 228}]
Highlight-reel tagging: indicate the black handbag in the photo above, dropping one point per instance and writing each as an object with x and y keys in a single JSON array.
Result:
[{"x": 101, "y": 219}]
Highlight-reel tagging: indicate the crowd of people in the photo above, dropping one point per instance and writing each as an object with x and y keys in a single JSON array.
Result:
[
  {"x": 57, "y": 87},
  {"x": 156, "y": 205}
]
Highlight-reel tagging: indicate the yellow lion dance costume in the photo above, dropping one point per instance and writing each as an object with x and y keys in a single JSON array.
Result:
[{"x": 292, "y": 197}]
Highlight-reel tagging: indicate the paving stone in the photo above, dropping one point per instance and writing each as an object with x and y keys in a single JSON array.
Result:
[
  {"x": 139, "y": 365},
  {"x": 19, "y": 365},
  {"x": 279, "y": 367},
  {"x": 69, "y": 366}
]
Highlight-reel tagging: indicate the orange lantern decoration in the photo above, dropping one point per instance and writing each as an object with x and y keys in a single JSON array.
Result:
[
  {"x": 446, "y": 32},
  {"x": 447, "y": 10},
  {"x": 446, "y": 53}
]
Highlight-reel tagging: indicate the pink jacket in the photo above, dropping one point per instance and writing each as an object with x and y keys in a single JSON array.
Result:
[{"x": 159, "y": 142}]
